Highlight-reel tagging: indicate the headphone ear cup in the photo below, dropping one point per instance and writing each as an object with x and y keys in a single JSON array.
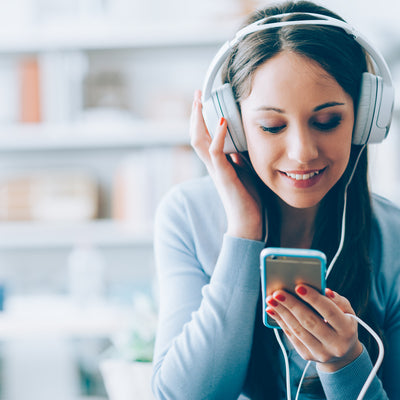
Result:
[
  {"x": 212, "y": 114},
  {"x": 223, "y": 104},
  {"x": 366, "y": 109},
  {"x": 230, "y": 112},
  {"x": 374, "y": 112}
]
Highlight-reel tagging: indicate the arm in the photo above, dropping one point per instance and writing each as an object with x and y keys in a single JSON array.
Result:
[
  {"x": 385, "y": 296},
  {"x": 347, "y": 382},
  {"x": 206, "y": 325}
]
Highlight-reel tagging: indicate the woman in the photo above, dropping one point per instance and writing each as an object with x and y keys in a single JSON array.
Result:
[{"x": 297, "y": 88}]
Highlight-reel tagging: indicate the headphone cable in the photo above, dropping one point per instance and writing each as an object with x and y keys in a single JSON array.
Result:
[
  {"x": 371, "y": 375},
  {"x": 359, "y": 320}
]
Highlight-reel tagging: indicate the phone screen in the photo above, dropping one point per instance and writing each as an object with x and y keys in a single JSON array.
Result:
[{"x": 286, "y": 268}]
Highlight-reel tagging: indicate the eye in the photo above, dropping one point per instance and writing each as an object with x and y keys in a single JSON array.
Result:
[
  {"x": 327, "y": 124},
  {"x": 273, "y": 129}
]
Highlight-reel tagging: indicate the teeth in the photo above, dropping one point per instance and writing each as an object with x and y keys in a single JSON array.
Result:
[{"x": 302, "y": 177}]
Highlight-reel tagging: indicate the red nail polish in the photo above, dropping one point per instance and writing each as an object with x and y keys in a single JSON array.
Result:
[
  {"x": 221, "y": 121},
  {"x": 301, "y": 290},
  {"x": 272, "y": 302},
  {"x": 280, "y": 297},
  {"x": 270, "y": 312},
  {"x": 330, "y": 293}
]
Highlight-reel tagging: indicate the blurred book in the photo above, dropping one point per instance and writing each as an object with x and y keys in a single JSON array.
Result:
[
  {"x": 55, "y": 196},
  {"x": 30, "y": 99},
  {"x": 144, "y": 177},
  {"x": 61, "y": 76},
  {"x": 42, "y": 88}
]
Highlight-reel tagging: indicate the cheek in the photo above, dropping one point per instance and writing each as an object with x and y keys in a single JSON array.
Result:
[
  {"x": 262, "y": 158},
  {"x": 340, "y": 160},
  {"x": 338, "y": 150}
]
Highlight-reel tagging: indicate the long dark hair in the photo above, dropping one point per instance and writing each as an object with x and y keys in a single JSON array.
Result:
[{"x": 344, "y": 59}]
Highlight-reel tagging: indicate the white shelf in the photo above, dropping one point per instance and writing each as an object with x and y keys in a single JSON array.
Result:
[
  {"x": 47, "y": 235},
  {"x": 45, "y": 315},
  {"x": 46, "y": 137},
  {"x": 103, "y": 35}
]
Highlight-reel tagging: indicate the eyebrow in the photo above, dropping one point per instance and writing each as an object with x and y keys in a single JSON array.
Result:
[
  {"x": 318, "y": 108},
  {"x": 266, "y": 108},
  {"x": 326, "y": 105}
]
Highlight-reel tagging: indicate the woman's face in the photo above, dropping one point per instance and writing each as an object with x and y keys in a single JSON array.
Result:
[{"x": 298, "y": 122}]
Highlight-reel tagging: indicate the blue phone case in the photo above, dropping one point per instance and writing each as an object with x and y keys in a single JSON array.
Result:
[{"x": 288, "y": 267}]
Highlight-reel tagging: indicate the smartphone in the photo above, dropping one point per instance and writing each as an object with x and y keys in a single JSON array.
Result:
[{"x": 285, "y": 268}]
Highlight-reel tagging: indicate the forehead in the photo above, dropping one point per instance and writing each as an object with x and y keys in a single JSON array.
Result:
[{"x": 290, "y": 72}]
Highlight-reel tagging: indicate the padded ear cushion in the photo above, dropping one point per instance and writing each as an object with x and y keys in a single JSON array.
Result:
[
  {"x": 223, "y": 104},
  {"x": 230, "y": 111},
  {"x": 212, "y": 114},
  {"x": 366, "y": 109},
  {"x": 375, "y": 110}
]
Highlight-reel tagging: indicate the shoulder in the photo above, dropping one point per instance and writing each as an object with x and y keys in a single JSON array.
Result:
[
  {"x": 197, "y": 188},
  {"x": 386, "y": 218},
  {"x": 190, "y": 199},
  {"x": 385, "y": 257},
  {"x": 191, "y": 218},
  {"x": 382, "y": 205}
]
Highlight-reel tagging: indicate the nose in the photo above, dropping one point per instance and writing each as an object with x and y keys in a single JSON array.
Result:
[{"x": 302, "y": 145}]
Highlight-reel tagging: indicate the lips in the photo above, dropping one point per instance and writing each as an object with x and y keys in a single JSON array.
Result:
[
  {"x": 304, "y": 179},
  {"x": 302, "y": 176}
]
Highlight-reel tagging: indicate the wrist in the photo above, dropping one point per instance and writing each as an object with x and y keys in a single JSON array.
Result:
[
  {"x": 246, "y": 232},
  {"x": 334, "y": 366}
]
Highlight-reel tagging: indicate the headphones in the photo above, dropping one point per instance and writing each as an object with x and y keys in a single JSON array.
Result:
[{"x": 375, "y": 108}]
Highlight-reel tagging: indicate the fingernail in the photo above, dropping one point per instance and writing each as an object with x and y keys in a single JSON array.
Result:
[
  {"x": 330, "y": 293},
  {"x": 301, "y": 290},
  {"x": 221, "y": 121},
  {"x": 272, "y": 302},
  {"x": 270, "y": 312},
  {"x": 280, "y": 297}
]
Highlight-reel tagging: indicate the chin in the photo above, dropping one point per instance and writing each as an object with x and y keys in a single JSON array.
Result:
[{"x": 302, "y": 203}]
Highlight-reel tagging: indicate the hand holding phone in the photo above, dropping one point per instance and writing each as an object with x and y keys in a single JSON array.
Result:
[{"x": 285, "y": 268}]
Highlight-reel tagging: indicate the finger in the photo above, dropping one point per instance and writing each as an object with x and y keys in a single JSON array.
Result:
[
  {"x": 271, "y": 312},
  {"x": 331, "y": 309},
  {"x": 303, "y": 349},
  {"x": 197, "y": 95},
  {"x": 217, "y": 145},
  {"x": 218, "y": 157},
  {"x": 200, "y": 139},
  {"x": 278, "y": 320},
  {"x": 241, "y": 163},
  {"x": 236, "y": 159},
  {"x": 301, "y": 321}
]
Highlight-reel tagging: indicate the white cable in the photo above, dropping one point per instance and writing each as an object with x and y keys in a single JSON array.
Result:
[
  {"x": 285, "y": 356},
  {"x": 371, "y": 375},
  {"x": 302, "y": 379},
  {"x": 359, "y": 320},
  {"x": 343, "y": 230},
  {"x": 379, "y": 359}
]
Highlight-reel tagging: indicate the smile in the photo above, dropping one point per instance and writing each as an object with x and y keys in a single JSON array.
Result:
[{"x": 302, "y": 177}]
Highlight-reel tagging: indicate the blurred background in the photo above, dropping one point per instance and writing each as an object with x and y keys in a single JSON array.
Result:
[{"x": 95, "y": 97}]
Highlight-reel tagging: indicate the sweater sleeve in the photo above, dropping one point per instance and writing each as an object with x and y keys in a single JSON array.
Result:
[
  {"x": 205, "y": 324},
  {"x": 348, "y": 382}
]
